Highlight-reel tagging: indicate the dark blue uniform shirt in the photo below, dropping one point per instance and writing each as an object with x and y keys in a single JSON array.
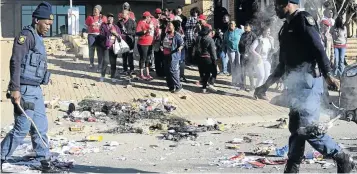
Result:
[
  {"x": 300, "y": 42},
  {"x": 22, "y": 45}
]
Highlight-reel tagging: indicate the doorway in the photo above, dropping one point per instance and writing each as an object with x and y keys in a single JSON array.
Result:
[{"x": 62, "y": 24}]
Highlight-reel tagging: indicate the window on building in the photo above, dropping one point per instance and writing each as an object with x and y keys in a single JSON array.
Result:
[{"x": 60, "y": 21}]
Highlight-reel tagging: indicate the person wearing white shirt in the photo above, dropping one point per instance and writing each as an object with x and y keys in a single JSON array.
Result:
[{"x": 261, "y": 49}]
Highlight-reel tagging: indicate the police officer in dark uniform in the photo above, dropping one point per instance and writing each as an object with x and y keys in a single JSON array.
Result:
[
  {"x": 28, "y": 70},
  {"x": 304, "y": 64}
]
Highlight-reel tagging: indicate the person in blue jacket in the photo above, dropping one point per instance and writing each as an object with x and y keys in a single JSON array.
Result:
[
  {"x": 304, "y": 63},
  {"x": 172, "y": 44},
  {"x": 28, "y": 70}
]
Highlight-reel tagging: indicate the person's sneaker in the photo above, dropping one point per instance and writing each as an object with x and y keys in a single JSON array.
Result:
[
  {"x": 101, "y": 79},
  {"x": 142, "y": 77},
  {"x": 47, "y": 167},
  {"x": 148, "y": 77},
  {"x": 344, "y": 162},
  {"x": 178, "y": 90},
  {"x": 172, "y": 90},
  {"x": 114, "y": 80},
  {"x": 211, "y": 87},
  {"x": 91, "y": 66},
  {"x": 204, "y": 90},
  {"x": 247, "y": 89},
  {"x": 124, "y": 72}
]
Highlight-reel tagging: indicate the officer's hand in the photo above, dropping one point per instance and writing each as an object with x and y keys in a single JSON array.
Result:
[
  {"x": 16, "y": 96},
  {"x": 260, "y": 93},
  {"x": 333, "y": 83}
]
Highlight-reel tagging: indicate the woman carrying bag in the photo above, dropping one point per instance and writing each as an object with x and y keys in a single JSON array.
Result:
[{"x": 109, "y": 34}]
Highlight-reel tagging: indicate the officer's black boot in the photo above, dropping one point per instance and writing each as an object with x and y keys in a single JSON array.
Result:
[
  {"x": 47, "y": 167},
  {"x": 292, "y": 167},
  {"x": 2, "y": 161},
  {"x": 344, "y": 162}
]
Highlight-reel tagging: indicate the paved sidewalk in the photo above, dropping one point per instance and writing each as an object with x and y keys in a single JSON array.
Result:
[{"x": 227, "y": 104}]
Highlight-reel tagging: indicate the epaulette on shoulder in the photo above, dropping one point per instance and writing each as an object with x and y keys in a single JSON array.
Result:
[{"x": 308, "y": 18}]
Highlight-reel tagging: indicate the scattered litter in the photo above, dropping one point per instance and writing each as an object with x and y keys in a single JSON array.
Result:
[
  {"x": 94, "y": 138},
  {"x": 272, "y": 162},
  {"x": 263, "y": 151},
  {"x": 253, "y": 134},
  {"x": 76, "y": 128},
  {"x": 154, "y": 146},
  {"x": 112, "y": 144},
  {"x": 267, "y": 142},
  {"x": 277, "y": 168},
  {"x": 195, "y": 144},
  {"x": 282, "y": 152},
  {"x": 239, "y": 156},
  {"x": 314, "y": 155},
  {"x": 283, "y": 124},
  {"x": 346, "y": 138},
  {"x": 121, "y": 158},
  {"x": 328, "y": 165},
  {"x": 236, "y": 141},
  {"x": 209, "y": 143},
  {"x": 53, "y": 103},
  {"x": 210, "y": 122},
  {"x": 256, "y": 164},
  {"x": 247, "y": 139},
  {"x": 233, "y": 146},
  {"x": 152, "y": 94},
  {"x": 240, "y": 141},
  {"x": 183, "y": 97}
]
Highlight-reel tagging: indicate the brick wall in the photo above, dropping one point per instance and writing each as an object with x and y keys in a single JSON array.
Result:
[{"x": 231, "y": 7}]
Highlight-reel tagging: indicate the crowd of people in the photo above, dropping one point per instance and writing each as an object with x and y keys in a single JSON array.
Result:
[{"x": 168, "y": 41}]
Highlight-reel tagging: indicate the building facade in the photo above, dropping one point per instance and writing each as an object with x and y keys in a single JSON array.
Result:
[{"x": 16, "y": 14}]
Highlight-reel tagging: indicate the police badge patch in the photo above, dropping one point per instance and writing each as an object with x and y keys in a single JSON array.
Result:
[
  {"x": 51, "y": 16},
  {"x": 310, "y": 20},
  {"x": 21, "y": 40}
]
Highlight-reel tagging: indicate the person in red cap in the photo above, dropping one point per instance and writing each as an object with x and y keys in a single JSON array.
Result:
[
  {"x": 145, "y": 32},
  {"x": 202, "y": 20}
]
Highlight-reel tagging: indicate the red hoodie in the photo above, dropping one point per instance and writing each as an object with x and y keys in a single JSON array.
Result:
[
  {"x": 94, "y": 23},
  {"x": 146, "y": 39}
]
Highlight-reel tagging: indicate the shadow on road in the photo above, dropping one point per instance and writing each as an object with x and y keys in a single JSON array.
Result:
[{"x": 101, "y": 169}]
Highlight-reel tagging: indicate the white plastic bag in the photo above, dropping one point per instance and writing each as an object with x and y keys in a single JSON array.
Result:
[{"x": 120, "y": 47}]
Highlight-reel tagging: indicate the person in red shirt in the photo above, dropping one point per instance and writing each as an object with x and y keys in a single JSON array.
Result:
[
  {"x": 145, "y": 32},
  {"x": 93, "y": 24}
]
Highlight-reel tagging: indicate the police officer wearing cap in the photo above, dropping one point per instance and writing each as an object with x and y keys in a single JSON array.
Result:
[
  {"x": 28, "y": 70},
  {"x": 304, "y": 64}
]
